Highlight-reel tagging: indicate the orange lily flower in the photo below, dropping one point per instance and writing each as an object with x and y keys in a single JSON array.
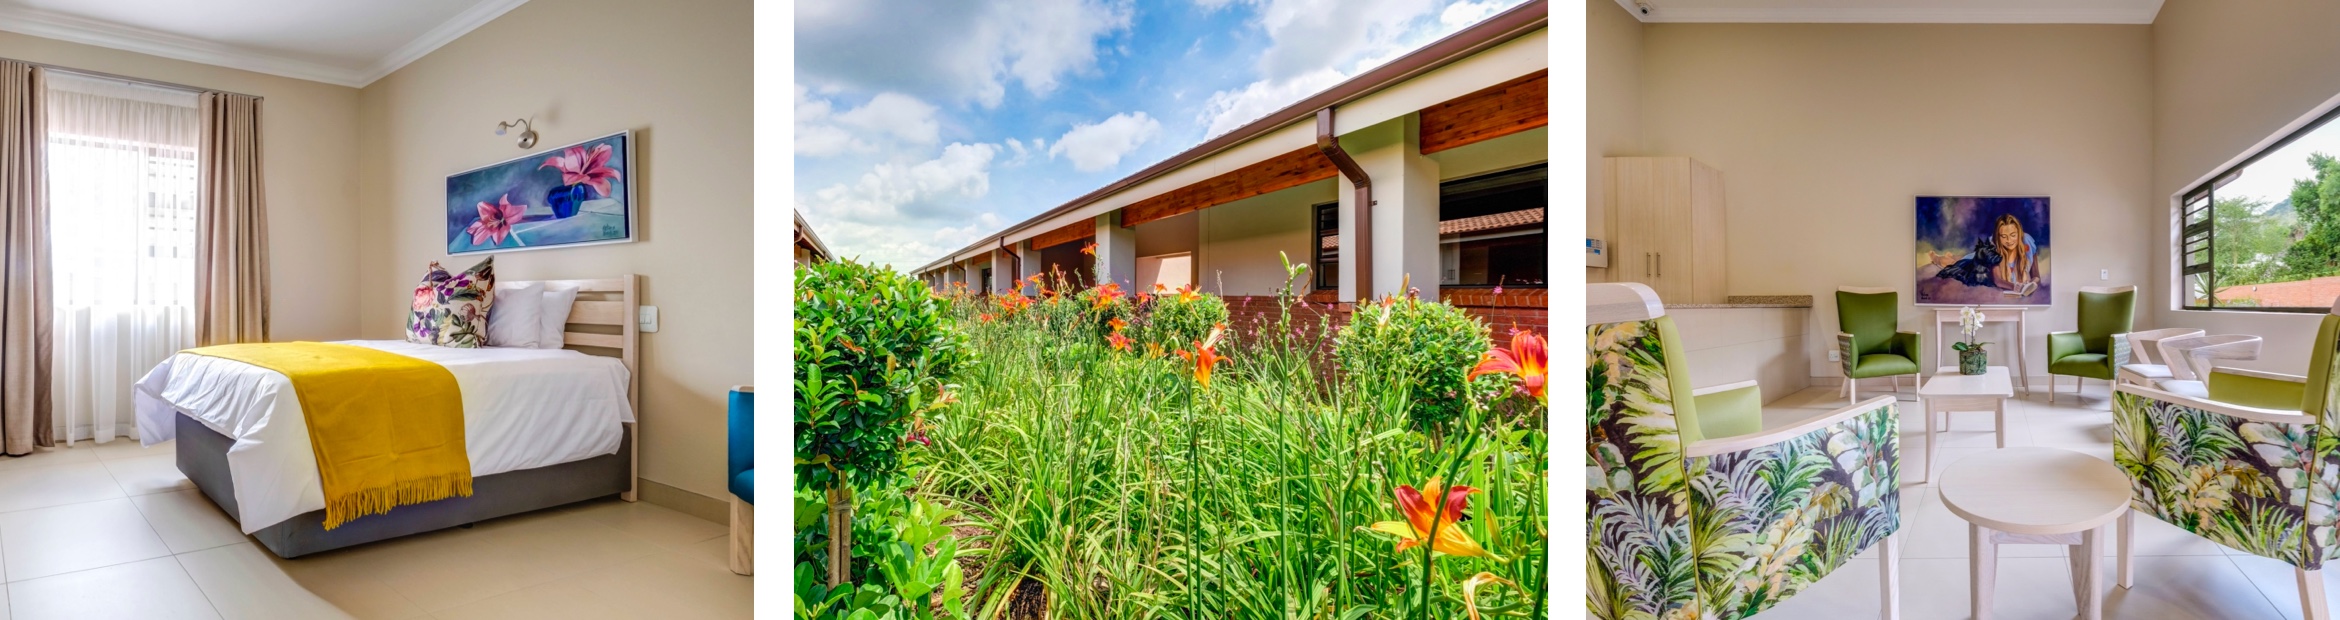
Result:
[
  {"x": 1117, "y": 324},
  {"x": 1153, "y": 349},
  {"x": 1161, "y": 288},
  {"x": 1527, "y": 359},
  {"x": 986, "y": 317},
  {"x": 1206, "y": 355},
  {"x": 1119, "y": 342},
  {"x": 1187, "y": 294},
  {"x": 1105, "y": 296},
  {"x": 1090, "y": 249},
  {"x": 1419, "y": 513}
]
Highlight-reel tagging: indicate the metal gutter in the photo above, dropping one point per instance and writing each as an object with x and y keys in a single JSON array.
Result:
[
  {"x": 1502, "y": 28},
  {"x": 1330, "y": 145}
]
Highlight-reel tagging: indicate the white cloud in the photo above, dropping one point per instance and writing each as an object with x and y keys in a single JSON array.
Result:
[
  {"x": 867, "y": 218},
  {"x": 952, "y": 51},
  {"x": 1229, "y": 109},
  {"x": 1100, "y": 146},
  {"x": 822, "y": 131},
  {"x": 1311, "y": 48},
  {"x": 1465, "y": 13}
]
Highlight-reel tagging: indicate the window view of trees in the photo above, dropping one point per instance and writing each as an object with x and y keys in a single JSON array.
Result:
[{"x": 2280, "y": 252}]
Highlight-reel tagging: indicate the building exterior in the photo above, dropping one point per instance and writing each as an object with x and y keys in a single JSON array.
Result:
[
  {"x": 809, "y": 248},
  {"x": 1437, "y": 161}
]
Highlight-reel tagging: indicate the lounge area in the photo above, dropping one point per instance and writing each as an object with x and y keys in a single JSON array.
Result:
[{"x": 1962, "y": 310}]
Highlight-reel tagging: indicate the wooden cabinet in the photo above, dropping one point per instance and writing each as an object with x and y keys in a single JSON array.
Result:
[{"x": 1668, "y": 217}]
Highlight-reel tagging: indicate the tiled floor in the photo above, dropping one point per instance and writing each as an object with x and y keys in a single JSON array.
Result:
[
  {"x": 115, "y": 531},
  {"x": 2178, "y": 575}
]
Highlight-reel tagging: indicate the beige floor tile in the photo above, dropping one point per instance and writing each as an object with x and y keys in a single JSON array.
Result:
[
  {"x": 1934, "y": 589},
  {"x": 244, "y": 582},
  {"x": 148, "y": 474},
  {"x": 668, "y": 584},
  {"x": 715, "y": 552},
  {"x": 128, "y": 448},
  {"x": 349, "y": 579},
  {"x": 154, "y": 589},
  {"x": 61, "y": 539},
  {"x": 552, "y": 601},
  {"x": 545, "y": 550},
  {"x": 2190, "y": 587},
  {"x": 657, "y": 524},
  {"x": 44, "y": 457},
  {"x": 2278, "y": 581},
  {"x": 188, "y": 521},
  {"x": 439, "y": 570},
  {"x": 69, "y": 483}
]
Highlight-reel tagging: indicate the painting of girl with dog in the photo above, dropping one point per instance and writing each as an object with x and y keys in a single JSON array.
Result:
[{"x": 1983, "y": 251}]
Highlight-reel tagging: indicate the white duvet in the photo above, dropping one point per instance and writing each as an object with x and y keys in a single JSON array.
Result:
[{"x": 522, "y": 408}]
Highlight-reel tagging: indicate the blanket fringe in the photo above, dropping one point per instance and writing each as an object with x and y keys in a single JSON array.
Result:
[{"x": 339, "y": 510}]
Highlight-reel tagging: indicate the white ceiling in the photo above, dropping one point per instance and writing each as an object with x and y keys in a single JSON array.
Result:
[
  {"x": 345, "y": 42},
  {"x": 1899, "y": 11}
]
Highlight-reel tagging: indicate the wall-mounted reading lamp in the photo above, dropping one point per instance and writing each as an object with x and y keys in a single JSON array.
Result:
[{"x": 527, "y": 131}]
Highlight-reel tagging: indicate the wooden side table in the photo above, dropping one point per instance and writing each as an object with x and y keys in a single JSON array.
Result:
[
  {"x": 2039, "y": 496},
  {"x": 1949, "y": 391},
  {"x": 1991, "y": 314}
]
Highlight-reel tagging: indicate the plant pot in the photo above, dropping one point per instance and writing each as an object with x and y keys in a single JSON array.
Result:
[{"x": 1974, "y": 362}]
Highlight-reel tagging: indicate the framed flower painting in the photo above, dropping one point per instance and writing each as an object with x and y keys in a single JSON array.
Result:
[{"x": 580, "y": 194}]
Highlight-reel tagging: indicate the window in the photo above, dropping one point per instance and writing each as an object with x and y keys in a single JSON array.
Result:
[
  {"x": 2265, "y": 234},
  {"x": 1328, "y": 247},
  {"x": 1491, "y": 229}
]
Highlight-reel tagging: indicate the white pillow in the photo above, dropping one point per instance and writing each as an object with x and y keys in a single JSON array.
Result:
[
  {"x": 556, "y": 303},
  {"x": 516, "y": 317}
]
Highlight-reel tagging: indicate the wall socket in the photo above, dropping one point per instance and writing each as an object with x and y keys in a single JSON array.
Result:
[
  {"x": 1835, "y": 355},
  {"x": 2104, "y": 274},
  {"x": 647, "y": 319}
]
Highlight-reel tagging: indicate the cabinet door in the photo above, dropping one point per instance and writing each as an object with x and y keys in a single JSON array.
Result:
[{"x": 1633, "y": 252}]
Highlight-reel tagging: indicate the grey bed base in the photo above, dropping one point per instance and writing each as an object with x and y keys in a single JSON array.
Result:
[{"x": 202, "y": 456}]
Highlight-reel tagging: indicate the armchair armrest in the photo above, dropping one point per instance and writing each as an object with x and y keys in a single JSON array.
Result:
[
  {"x": 1858, "y": 450},
  {"x": 2118, "y": 354},
  {"x": 2232, "y": 410},
  {"x": 2257, "y": 389},
  {"x": 1848, "y": 351},
  {"x": 1729, "y": 410},
  {"x": 1906, "y": 344},
  {"x": 1725, "y": 445},
  {"x": 2062, "y": 344}
]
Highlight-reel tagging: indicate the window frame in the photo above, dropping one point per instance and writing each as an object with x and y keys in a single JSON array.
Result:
[
  {"x": 2207, "y": 190},
  {"x": 1328, "y": 271}
]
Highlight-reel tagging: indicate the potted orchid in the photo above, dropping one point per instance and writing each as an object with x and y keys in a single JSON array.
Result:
[{"x": 1972, "y": 359}]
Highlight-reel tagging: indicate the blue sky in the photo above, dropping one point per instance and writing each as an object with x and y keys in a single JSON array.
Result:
[{"x": 923, "y": 125}]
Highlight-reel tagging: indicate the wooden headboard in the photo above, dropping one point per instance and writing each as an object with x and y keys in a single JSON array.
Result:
[{"x": 608, "y": 305}]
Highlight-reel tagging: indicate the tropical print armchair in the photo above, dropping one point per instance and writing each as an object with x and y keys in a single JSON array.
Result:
[
  {"x": 2253, "y": 466},
  {"x": 1723, "y": 526}
]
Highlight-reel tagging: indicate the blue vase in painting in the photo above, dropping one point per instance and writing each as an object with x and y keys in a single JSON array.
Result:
[{"x": 565, "y": 199}]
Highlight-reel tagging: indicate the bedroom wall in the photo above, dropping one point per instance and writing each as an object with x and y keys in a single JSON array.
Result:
[
  {"x": 1824, "y": 133},
  {"x": 676, "y": 73},
  {"x": 1612, "y": 108},
  {"x": 307, "y": 132},
  {"x": 2223, "y": 80}
]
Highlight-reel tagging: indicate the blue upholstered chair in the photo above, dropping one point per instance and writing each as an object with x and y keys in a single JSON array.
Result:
[{"x": 743, "y": 479}]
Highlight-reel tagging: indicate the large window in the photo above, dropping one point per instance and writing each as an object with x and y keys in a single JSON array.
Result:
[
  {"x": 1490, "y": 232},
  {"x": 2265, "y": 234}
]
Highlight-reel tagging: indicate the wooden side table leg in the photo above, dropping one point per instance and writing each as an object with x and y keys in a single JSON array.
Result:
[
  {"x": 2127, "y": 574},
  {"x": 1983, "y": 565},
  {"x": 2311, "y": 595},
  {"x": 2091, "y": 580},
  {"x": 1890, "y": 570}
]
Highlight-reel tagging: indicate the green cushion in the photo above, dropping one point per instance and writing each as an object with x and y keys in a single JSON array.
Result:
[
  {"x": 1731, "y": 413},
  {"x": 2260, "y": 392},
  {"x": 2319, "y": 372},
  {"x": 1869, "y": 317},
  {"x": 2090, "y": 365},
  {"x": 1883, "y": 365},
  {"x": 2105, "y": 314},
  {"x": 1678, "y": 380}
]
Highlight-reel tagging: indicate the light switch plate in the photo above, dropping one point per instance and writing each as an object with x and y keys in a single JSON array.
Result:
[
  {"x": 648, "y": 318},
  {"x": 1833, "y": 355},
  {"x": 2104, "y": 274}
]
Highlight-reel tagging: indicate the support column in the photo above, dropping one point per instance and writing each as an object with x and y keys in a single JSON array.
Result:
[
  {"x": 1405, "y": 211},
  {"x": 1116, "y": 251},
  {"x": 971, "y": 273},
  {"x": 1032, "y": 266},
  {"x": 1004, "y": 272}
]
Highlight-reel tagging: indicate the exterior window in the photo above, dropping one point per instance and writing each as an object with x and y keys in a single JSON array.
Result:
[
  {"x": 1328, "y": 248},
  {"x": 986, "y": 281},
  {"x": 2265, "y": 234},
  {"x": 1491, "y": 229}
]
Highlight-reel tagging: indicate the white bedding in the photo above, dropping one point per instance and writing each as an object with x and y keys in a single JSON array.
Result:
[{"x": 522, "y": 409}]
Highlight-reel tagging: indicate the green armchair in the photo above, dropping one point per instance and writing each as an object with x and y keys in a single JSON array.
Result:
[
  {"x": 1868, "y": 341},
  {"x": 2101, "y": 346}
]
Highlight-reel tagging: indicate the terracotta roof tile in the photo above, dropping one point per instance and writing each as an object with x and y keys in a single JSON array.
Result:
[{"x": 1498, "y": 221}]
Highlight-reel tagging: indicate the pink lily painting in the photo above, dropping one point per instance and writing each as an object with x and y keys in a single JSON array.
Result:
[{"x": 565, "y": 196}]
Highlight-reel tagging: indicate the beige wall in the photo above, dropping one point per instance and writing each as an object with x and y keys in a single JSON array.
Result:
[
  {"x": 308, "y": 133},
  {"x": 1612, "y": 108},
  {"x": 1825, "y": 133},
  {"x": 676, "y": 73},
  {"x": 2223, "y": 80},
  {"x": 1241, "y": 239}
]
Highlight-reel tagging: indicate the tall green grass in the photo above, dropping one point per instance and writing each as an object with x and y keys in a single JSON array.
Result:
[{"x": 1123, "y": 489}]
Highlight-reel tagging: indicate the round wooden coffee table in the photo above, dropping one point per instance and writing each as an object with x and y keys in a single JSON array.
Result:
[{"x": 2039, "y": 496}]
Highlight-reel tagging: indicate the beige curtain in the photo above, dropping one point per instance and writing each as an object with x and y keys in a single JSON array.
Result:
[
  {"x": 231, "y": 237},
  {"x": 24, "y": 262}
]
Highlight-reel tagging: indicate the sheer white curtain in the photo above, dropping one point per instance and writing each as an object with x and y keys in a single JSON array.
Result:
[{"x": 122, "y": 204}]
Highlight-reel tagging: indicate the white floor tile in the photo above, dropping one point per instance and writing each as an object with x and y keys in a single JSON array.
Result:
[
  {"x": 2279, "y": 582},
  {"x": 61, "y": 539},
  {"x": 188, "y": 521},
  {"x": 146, "y": 475},
  {"x": 2190, "y": 587},
  {"x": 44, "y": 457},
  {"x": 245, "y": 582},
  {"x": 70, "y": 483},
  {"x": 154, "y": 589},
  {"x": 128, "y": 448}
]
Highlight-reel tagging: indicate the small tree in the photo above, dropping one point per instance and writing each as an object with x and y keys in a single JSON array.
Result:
[
  {"x": 873, "y": 350},
  {"x": 1424, "y": 347}
]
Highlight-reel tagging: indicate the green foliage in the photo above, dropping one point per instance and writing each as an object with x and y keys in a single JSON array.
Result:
[
  {"x": 2252, "y": 242},
  {"x": 1178, "y": 320},
  {"x": 873, "y": 350},
  {"x": 1425, "y": 348},
  {"x": 910, "y": 583},
  {"x": 2316, "y": 200}
]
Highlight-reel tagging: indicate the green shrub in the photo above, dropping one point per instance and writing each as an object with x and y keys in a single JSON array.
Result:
[
  {"x": 1427, "y": 348},
  {"x": 873, "y": 348},
  {"x": 1176, "y": 320},
  {"x": 1102, "y": 304}
]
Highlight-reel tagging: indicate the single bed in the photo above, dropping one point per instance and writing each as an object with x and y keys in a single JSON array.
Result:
[{"x": 542, "y": 428}]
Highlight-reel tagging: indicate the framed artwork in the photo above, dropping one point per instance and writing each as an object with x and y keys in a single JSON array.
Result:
[
  {"x": 1983, "y": 251},
  {"x": 580, "y": 194}
]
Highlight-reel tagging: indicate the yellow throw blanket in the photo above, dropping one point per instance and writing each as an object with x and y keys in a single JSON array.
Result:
[{"x": 387, "y": 428}]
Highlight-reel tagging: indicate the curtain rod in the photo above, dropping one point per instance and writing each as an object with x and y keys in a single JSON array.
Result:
[{"x": 140, "y": 80}]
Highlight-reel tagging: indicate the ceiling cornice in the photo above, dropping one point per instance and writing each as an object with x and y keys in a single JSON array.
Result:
[
  {"x": 1882, "y": 15},
  {"x": 62, "y": 27}
]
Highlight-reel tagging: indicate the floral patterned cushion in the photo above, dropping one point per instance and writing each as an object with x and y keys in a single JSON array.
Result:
[
  {"x": 422, "y": 319},
  {"x": 462, "y": 306}
]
